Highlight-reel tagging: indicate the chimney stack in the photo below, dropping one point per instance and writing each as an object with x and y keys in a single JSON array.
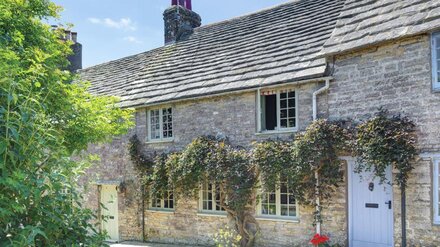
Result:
[
  {"x": 180, "y": 21},
  {"x": 75, "y": 59}
]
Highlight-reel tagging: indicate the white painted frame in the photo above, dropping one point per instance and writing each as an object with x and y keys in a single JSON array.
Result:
[
  {"x": 161, "y": 139},
  {"x": 278, "y": 215},
  {"x": 435, "y": 190},
  {"x": 214, "y": 203},
  {"x": 278, "y": 130},
  {"x": 162, "y": 205},
  {"x": 351, "y": 161},
  {"x": 435, "y": 61}
]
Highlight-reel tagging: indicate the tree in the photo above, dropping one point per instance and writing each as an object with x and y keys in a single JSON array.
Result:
[{"x": 44, "y": 120}]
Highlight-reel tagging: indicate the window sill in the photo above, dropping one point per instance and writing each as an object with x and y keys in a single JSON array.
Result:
[
  {"x": 160, "y": 211},
  {"x": 274, "y": 132},
  {"x": 159, "y": 141},
  {"x": 207, "y": 214},
  {"x": 281, "y": 219},
  {"x": 436, "y": 223}
]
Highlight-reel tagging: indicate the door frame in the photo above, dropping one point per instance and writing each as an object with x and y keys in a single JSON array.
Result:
[
  {"x": 100, "y": 190},
  {"x": 351, "y": 161}
]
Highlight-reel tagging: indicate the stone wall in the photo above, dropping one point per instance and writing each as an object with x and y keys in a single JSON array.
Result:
[
  {"x": 396, "y": 76},
  {"x": 233, "y": 116}
]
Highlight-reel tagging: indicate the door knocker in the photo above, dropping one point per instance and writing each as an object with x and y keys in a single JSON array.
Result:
[{"x": 371, "y": 186}]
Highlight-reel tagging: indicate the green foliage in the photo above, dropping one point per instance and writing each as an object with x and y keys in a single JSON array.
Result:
[
  {"x": 387, "y": 140},
  {"x": 314, "y": 151},
  {"x": 317, "y": 150},
  {"x": 227, "y": 237},
  {"x": 273, "y": 158},
  {"x": 44, "y": 120}
]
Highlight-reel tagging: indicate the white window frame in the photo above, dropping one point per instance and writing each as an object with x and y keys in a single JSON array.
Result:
[
  {"x": 162, "y": 203},
  {"x": 435, "y": 61},
  {"x": 160, "y": 109},
  {"x": 278, "y": 208},
  {"x": 435, "y": 185},
  {"x": 214, "y": 202},
  {"x": 260, "y": 113}
]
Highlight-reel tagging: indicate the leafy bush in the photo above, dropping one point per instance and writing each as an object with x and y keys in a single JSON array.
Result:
[
  {"x": 44, "y": 120},
  {"x": 227, "y": 237}
]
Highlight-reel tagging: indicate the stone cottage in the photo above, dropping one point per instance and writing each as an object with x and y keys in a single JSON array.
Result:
[{"x": 268, "y": 75}]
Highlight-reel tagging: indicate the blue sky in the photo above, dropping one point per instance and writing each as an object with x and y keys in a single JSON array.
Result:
[{"x": 111, "y": 29}]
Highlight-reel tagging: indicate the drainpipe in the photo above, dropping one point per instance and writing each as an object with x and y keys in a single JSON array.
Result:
[
  {"x": 143, "y": 212},
  {"x": 316, "y": 93},
  {"x": 315, "y": 116},
  {"x": 403, "y": 213}
]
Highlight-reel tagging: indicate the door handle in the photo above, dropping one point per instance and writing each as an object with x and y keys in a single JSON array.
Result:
[{"x": 389, "y": 204}]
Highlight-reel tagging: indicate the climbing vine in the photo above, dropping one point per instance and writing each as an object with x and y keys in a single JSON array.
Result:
[
  {"x": 386, "y": 140},
  {"x": 313, "y": 152},
  {"x": 309, "y": 164}
]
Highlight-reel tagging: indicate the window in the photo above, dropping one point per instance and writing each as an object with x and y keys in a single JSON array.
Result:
[
  {"x": 280, "y": 203},
  {"x": 160, "y": 124},
  {"x": 436, "y": 61},
  {"x": 278, "y": 110},
  {"x": 436, "y": 190},
  {"x": 210, "y": 195},
  {"x": 164, "y": 202}
]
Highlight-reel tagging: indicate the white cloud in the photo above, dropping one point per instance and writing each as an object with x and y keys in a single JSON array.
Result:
[
  {"x": 132, "y": 39},
  {"x": 123, "y": 23}
]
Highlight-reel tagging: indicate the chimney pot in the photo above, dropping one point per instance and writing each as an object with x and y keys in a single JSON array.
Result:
[
  {"x": 180, "y": 21},
  {"x": 74, "y": 36}
]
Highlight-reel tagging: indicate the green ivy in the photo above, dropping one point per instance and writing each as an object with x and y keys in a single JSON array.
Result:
[
  {"x": 380, "y": 141},
  {"x": 387, "y": 140}
]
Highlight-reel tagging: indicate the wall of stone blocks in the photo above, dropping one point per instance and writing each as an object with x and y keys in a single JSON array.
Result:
[
  {"x": 396, "y": 76},
  {"x": 233, "y": 116}
]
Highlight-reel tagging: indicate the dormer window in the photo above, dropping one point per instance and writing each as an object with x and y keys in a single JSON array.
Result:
[
  {"x": 436, "y": 61},
  {"x": 277, "y": 110},
  {"x": 160, "y": 124}
]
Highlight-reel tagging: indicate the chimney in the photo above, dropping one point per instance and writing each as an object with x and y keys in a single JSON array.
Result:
[
  {"x": 75, "y": 59},
  {"x": 180, "y": 21}
]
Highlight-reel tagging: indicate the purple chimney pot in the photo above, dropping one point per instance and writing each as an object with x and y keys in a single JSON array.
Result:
[{"x": 184, "y": 3}]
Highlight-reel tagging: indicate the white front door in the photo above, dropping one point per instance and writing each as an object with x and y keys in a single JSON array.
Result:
[
  {"x": 109, "y": 211},
  {"x": 370, "y": 209}
]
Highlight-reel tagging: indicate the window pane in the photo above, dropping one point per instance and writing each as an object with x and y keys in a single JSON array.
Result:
[
  {"x": 154, "y": 124},
  {"x": 283, "y": 95},
  {"x": 292, "y": 211},
  {"x": 287, "y": 110},
  {"x": 284, "y": 211},
  {"x": 292, "y": 122},
  {"x": 272, "y": 209},
  {"x": 272, "y": 198},
  {"x": 167, "y": 119},
  {"x": 283, "y": 104},
  {"x": 283, "y": 199}
]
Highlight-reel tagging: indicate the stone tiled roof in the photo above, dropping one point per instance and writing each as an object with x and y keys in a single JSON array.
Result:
[
  {"x": 368, "y": 22},
  {"x": 272, "y": 46}
]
